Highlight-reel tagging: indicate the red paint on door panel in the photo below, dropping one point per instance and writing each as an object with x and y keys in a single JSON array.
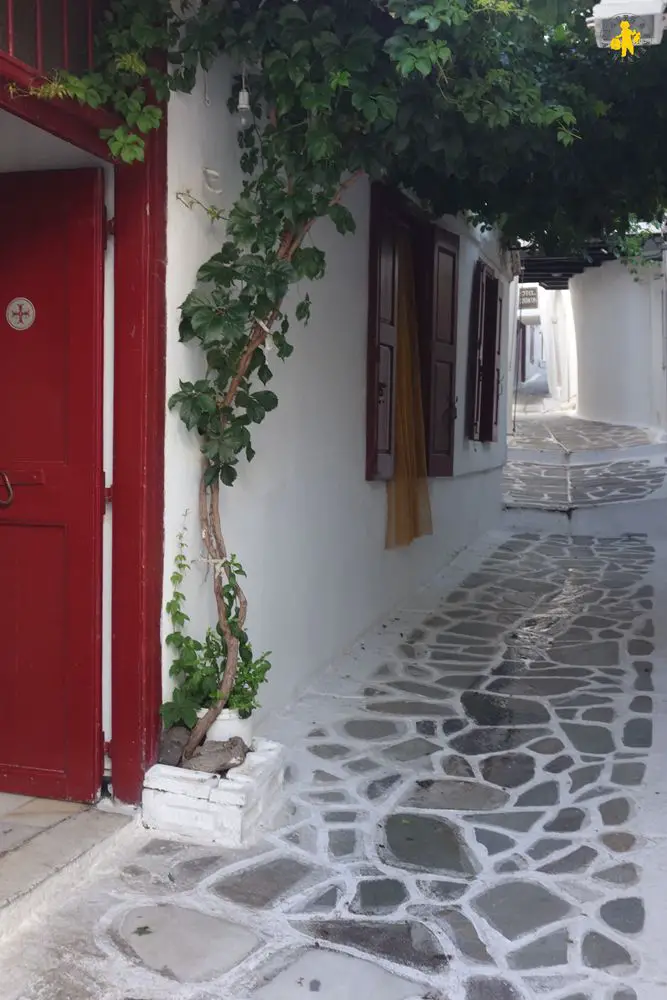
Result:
[{"x": 51, "y": 341}]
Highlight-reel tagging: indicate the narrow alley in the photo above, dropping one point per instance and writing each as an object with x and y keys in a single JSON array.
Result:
[{"x": 476, "y": 801}]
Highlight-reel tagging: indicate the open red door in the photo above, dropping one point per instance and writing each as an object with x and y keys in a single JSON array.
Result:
[{"x": 51, "y": 482}]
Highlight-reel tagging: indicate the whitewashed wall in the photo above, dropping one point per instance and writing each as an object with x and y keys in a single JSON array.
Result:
[
  {"x": 560, "y": 344},
  {"x": 619, "y": 335},
  {"x": 306, "y": 525}
]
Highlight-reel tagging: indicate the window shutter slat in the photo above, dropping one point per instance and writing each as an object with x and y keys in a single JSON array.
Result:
[
  {"x": 475, "y": 341},
  {"x": 382, "y": 310},
  {"x": 441, "y": 399}
]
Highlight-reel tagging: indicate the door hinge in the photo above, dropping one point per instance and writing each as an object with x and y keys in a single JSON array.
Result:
[
  {"x": 107, "y": 748},
  {"x": 108, "y": 495}
]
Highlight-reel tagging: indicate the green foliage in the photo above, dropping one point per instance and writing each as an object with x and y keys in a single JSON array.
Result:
[
  {"x": 504, "y": 109},
  {"x": 198, "y": 667}
]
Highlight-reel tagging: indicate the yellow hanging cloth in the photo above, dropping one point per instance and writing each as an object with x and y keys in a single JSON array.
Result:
[{"x": 408, "y": 503}]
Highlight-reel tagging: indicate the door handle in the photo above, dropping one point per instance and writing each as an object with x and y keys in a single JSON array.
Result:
[{"x": 8, "y": 500}]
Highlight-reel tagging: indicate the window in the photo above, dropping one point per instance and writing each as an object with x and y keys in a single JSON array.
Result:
[
  {"x": 434, "y": 260},
  {"x": 484, "y": 356},
  {"x": 50, "y": 34}
]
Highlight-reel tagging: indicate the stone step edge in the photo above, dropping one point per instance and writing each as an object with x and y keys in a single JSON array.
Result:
[{"x": 31, "y": 901}]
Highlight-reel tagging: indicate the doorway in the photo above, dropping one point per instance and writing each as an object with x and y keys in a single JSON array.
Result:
[
  {"x": 61, "y": 473},
  {"x": 51, "y": 482}
]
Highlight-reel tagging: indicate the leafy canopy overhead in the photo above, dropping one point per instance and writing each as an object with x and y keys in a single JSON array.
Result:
[{"x": 504, "y": 108}]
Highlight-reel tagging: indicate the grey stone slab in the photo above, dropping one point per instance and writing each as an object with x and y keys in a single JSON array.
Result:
[
  {"x": 324, "y": 902},
  {"x": 381, "y": 787},
  {"x": 495, "y": 710},
  {"x": 330, "y": 751},
  {"x": 600, "y": 952},
  {"x": 362, "y": 766},
  {"x": 640, "y": 647},
  {"x": 509, "y": 770},
  {"x": 577, "y": 861},
  {"x": 407, "y": 943},
  {"x": 598, "y": 715},
  {"x": 379, "y": 896},
  {"x": 451, "y": 793},
  {"x": 625, "y": 993},
  {"x": 411, "y": 749},
  {"x": 425, "y": 843},
  {"x": 548, "y": 746},
  {"x": 566, "y": 821},
  {"x": 370, "y": 729},
  {"x": 631, "y": 773},
  {"x": 495, "y": 843},
  {"x": 638, "y": 733},
  {"x": 450, "y": 726},
  {"x": 426, "y": 727},
  {"x": 515, "y": 820},
  {"x": 619, "y": 841},
  {"x": 548, "y": 845},
  {"x": 589, "y": 738},
  {"x": 330, "y": 975},
  {"x": 409, "y": 708},
  {"x": 182, "y": 943},
  {"x": 481, "y": 988},
  {"x": 422, "y": 690},
  {"x": 559, "y": 765},
  {"x": 457, "y": 767},
  {"x": 625, "y": 874},
  {"x": 340, "y": 816},
  {"x": 625, "y": 915},
  {"x": 547, "y": 951},
  {"x": 517, "y": 907},
  {"x": 615, "y": 812},
  {"x": 463, "y": 934},
  {"x": 266, "y": 882},
  {"x": 484, "y": 741},
  {"x": 642, "y": 704},
  {"x": 587, "y": 654},
  {"x": 583, "y": 776},
  {"x": 441, "y": 890},
  {"x": 544, "y": 794},
  {"x": 342, "y": 843}
]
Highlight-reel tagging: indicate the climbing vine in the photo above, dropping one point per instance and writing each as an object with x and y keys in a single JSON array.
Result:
[{"x": 332, "y": 92}]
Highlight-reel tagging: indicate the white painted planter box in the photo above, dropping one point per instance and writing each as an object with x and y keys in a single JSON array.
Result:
[
  {"x": 233, "y": 811},
  {"x": 229, "y": 724}
]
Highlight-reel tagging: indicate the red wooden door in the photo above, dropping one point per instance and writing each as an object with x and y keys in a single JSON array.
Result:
[{"x": 51, "y": 338}]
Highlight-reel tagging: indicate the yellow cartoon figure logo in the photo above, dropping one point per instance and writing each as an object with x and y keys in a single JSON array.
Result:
[{"x": 625, "y": 40}]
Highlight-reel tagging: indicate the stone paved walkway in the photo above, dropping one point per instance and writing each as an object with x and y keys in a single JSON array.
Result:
[
  {"x": 562, "y": 463},
  {"x": 470, "y": 815},
  {"x": 565, "y": 433}
]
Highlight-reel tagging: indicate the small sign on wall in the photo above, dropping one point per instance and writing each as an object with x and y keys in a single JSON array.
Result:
[{"x": 528, "y": 298}]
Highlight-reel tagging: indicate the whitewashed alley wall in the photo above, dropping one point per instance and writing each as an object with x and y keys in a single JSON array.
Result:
[
  {"x": 306, "y": 525},
  {"x": 619, "y": 333},
  {"x": 559, "y": 344}
]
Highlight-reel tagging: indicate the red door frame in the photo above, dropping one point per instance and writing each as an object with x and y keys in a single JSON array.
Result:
[{"x": 139, "y": 408}]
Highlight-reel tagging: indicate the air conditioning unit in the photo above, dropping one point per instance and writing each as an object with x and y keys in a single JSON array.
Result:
[{"x": 647, "y": 17}]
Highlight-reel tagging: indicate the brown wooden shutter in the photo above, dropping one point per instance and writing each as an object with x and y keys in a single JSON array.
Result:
[
  {"x": 475, "y": 352},
  {"x": 382, "y": 309},
  {"x": 440, "y": 401},
  {"x": 490, "y": 380}
]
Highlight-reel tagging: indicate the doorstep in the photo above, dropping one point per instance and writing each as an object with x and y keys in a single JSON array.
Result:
[{"x": 57, "y": 852}]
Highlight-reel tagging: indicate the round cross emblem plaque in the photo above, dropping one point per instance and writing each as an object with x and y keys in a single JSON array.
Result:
[{"x": 20, "y": 314}]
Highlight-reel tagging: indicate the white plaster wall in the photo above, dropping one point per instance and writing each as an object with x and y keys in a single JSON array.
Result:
[
  {"x": 619, "y": 337},
  {"x": 306, "y": 525},
  {"x": 559, "y": 344}
]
